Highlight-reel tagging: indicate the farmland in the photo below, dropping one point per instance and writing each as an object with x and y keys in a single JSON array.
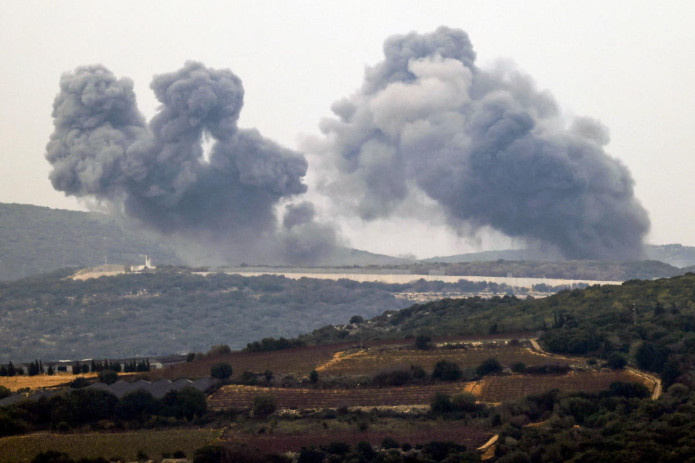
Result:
[
  {"x": 374, "y": 360},
  {"x": 514, "y": 387},
  {"x": 235, "y": 396},
  {"x": 39, "y": 381},
  {"x": 108, "y": 445}
]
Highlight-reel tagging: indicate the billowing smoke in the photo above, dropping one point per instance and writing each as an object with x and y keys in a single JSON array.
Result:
[
  {"x": 485, "y": 145},
  {"x": 158, "y": 173}
]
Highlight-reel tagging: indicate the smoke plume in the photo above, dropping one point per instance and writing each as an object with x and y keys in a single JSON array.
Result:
[
  {"x": 157, "y": 173},
  {"x": 485, "y": 145}
]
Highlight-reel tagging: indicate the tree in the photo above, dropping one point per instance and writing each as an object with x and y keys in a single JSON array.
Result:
[
  {"x": 488, "y": 367},
  {"x": 222, "y": 370},
  {"x": 356, "y": 319},
  {"x": 423, "y": 342},
  {"x": 616, "y": 361},
  {"x": 445, "y": 370},
  {"x": 264, "y": 405},
  {"x": 108, "y": 376}
]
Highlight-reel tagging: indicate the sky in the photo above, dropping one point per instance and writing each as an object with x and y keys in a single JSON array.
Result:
[{"x": 630, "y": 65}]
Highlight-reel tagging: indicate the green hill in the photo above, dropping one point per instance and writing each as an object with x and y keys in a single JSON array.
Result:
[{"x": 37, "y": 240}]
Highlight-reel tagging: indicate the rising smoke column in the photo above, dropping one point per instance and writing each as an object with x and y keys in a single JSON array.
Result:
[
  {"x": 486, "y": 146},
  {"x": 157, "y": 173}
]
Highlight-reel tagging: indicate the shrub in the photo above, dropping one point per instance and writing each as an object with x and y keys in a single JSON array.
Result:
[
  {"x": 616, "y": 361},
  {"x": 445, "y": 370},
  {"x": 4, "y": 392},
  {"x": 464, "y": 401},
  {"x": 518, "y": 367},
  {"x": 219, "y": 349},
  {"x": 314, "y": 377},
  {"x": 222, "y": 370},
  {"x": 389, "y": 443},
  {"x": 488, "y": 367},
  {"x": 423, "y": 342},
  {"x": 310, "y": 456},
  {"x": 210, "y": 454},
  {"x": 264, "y": 405},
  {"x": 108, "y": 376}
]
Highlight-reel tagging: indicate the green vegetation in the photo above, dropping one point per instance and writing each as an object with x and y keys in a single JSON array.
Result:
[{"x": 37, "y": 240}]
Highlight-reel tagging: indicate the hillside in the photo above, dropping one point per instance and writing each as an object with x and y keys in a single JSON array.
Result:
[
  {"x": 675, "y": 255},
  {"x": 37, "y": 240},
  {"x": 173, "y": 310}
]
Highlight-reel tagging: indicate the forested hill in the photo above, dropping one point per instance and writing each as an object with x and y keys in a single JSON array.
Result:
[
  {"x": 37, "y": 240},
  {"x": 650, "y": 323},
  {"x": 172, "y": 310}
]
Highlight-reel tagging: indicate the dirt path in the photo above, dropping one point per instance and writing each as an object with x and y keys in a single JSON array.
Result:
[{"x": 488, "y": 448}]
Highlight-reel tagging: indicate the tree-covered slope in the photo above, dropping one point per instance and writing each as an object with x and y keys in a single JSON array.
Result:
[
  {"x": 37, "y": 240},
  {"x": 650, "y": 323}
]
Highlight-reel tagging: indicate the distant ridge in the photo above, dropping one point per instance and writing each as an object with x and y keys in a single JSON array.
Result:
[
  {"x": 36, "y": 239},
  {"x": 673, "y": 254}
]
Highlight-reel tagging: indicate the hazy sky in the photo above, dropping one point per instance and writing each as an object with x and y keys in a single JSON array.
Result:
[{"x": 629, "y": 64}]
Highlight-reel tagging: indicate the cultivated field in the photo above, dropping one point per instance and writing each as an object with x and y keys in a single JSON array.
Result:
[
  {"x": 378, "y": 359},
  {"x": 234, "y": 396},
  {"x": 39, "y": 381},
  {"x": 513, "y": 387},
  {"x": 124, "y": 446},
  {"x": 411, "y": 431}
]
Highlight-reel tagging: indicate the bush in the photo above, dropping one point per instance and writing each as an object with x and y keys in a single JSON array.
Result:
[
  {"x": 518, "y": 367},
  {"x": 210, "y": 454},
  {"x": 4, "y": 392},
  {"x": 222, "y": 370},
  {"x": 389, "y": 443},
  {"x": 616, "y": 361},
  {"x": 464, "y": 402},
  {"x": 219, "y": 349},
  {"x": 310, "y": 456},
  {"x": 314, "y": 377},
  {"x": 108, "y": 376},
  {"x": 423, "y": 342},
  {"x": 264, "y": 405},
  {"x": 445, "y": 370},
  {"x": 488, "y": 367}
]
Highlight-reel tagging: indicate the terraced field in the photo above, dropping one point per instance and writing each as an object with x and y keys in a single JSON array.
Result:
[
  {"x": 512, "y": 387},
  {"x": 239, "y": 397},
  {"x": 378, "y": 359}
]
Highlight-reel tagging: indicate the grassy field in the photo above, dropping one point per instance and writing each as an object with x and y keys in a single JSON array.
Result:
[
  {"x": 39, "y": 381},
  {"x": 125, "y": 445}
]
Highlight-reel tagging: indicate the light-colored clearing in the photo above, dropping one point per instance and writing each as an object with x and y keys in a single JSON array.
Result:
[{"x": 39, "y": 381}]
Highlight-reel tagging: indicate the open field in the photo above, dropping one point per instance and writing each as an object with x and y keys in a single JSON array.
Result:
[
  {"x": 398, "y": 278},
  {"x": 514, "y": 387},
  {"x": 39, "y": 381},
  {"x": 377, "y": 359},
  {"x": 300, "y": 361},
  {"x": 125, "y": 445},
  {"x": 234, "y": 396},
  {"x": 414, "y": 432}
]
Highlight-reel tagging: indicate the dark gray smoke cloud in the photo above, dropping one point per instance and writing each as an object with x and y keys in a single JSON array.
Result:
[
  {"x": 485, "y": 145},
  {"x": 157, "y": 173}
]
